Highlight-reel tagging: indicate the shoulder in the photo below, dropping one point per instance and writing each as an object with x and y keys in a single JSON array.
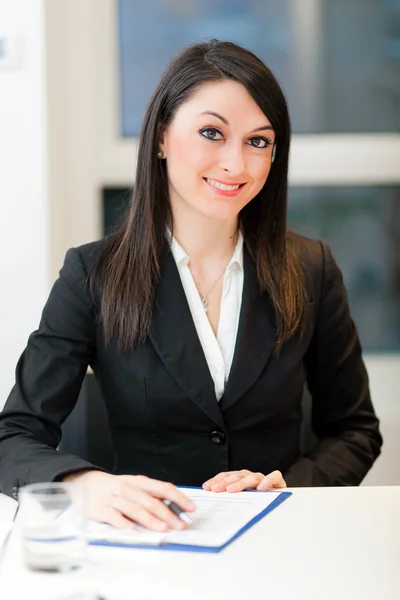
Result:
[
  {"x": 315, "y": 258},
  {"x": 80, "y": 260},
  {"x": 309, "y": 251},
  {"x": 78, "y": 264},
  {"x": 87, "y": 254}
]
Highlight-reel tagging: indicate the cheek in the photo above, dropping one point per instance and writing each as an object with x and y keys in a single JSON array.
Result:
[
  {"x": 189, "y": 155},
  {"x": 259, "y": 171}
]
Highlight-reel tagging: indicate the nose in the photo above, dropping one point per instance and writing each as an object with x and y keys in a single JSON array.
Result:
[{"x": 232, "y": 159}]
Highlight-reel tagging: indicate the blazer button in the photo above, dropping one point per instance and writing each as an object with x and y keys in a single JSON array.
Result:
[
  {"x": 217, "y": 437},
  {"x": 15, "y": 491}
]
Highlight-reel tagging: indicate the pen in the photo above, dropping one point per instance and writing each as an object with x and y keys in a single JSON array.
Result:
[{"x": 178, "y": 511}]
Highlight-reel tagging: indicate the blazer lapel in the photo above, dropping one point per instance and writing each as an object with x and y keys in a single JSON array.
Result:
[
  {"x": 255, "y": 338},
  {"x": 175, "y": 340}
]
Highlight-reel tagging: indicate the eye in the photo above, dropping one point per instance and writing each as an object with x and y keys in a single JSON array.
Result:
[
  {"x": 260, "y": 142},
  {"x": 211, "y": 133}
]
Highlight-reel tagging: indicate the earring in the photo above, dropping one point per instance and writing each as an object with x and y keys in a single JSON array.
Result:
[
  {"x": 273, "y": 153},
  {"x": 160, "y": 154}
]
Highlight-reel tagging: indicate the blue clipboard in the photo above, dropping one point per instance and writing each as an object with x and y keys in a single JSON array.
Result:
[{"x": 190, "y": 548}]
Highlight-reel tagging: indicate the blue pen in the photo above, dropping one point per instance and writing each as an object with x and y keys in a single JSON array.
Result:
[{"x": 173, "y": 507}]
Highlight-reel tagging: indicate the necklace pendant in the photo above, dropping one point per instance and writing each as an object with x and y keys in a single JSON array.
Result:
[{"x": 204, "y": 303}]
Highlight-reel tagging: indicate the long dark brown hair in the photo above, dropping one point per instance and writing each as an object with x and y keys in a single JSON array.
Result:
[{"x": 129, "y": 266}]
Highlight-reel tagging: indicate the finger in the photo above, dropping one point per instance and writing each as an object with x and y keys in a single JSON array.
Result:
[
  {"x": 220, "y": 481},
  {"x": 137, "y": 513},
  {"x": 154, "y": 506},
  {"x": 114, "y": 517},
  {"x": 271, "y": 481},
  {"x": 245, "y": 483},
  {"x": 238, "y": 475},
  {"x": 231, "y": 478},
  {"x": 207, "y": 484},
  {"x": 162, "y": 490},
  {"x": 220, "y": 484},
  {"x": 157, "y": 508}
]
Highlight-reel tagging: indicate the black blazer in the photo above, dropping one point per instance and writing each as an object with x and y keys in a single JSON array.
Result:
[{"x": 164, "y": 418}]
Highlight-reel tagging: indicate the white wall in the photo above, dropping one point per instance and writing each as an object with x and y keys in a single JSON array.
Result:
[
  {"x": 384, "y": 375},
  {"x": 24, "y": 214}
]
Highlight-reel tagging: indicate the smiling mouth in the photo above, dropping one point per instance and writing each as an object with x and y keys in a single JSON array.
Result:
[{"x": 223, "y": 186}]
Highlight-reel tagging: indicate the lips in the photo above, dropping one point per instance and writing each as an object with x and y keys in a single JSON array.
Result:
[{"x": 223, "y": 186}]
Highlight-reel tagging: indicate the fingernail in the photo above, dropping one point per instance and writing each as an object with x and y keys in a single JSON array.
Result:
[{"x": 215, "y": 488}]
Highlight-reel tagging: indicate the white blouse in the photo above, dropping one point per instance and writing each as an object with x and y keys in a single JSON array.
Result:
[{"x": 218, "y": 350}]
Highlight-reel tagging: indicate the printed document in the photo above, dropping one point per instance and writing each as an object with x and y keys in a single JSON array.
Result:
[{"x": 218, "y": 518}]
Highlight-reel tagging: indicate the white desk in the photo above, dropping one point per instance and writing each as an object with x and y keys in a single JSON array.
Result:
[{"x": 321, "y": 544}]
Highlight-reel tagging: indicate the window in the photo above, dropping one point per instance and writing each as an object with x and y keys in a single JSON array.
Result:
[
  {"x": 338, "y": 61},
  {"x": 362, "y": 226}
]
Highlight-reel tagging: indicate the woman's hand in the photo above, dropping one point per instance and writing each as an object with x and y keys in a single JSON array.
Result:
[
  {"x": 126, "y": 500},
  {"x": 237, "y": 481}
]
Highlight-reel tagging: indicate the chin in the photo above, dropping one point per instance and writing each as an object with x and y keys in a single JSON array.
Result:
[
  {"x": 224, "y": 209},
  {"x": 221, "y": 215}
]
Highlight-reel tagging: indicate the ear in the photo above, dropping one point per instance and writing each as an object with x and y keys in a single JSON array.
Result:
[{"x": 161, "y": 137}]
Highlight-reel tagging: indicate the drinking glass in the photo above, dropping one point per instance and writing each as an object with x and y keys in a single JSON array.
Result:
[{"x": 53, "y": 526}]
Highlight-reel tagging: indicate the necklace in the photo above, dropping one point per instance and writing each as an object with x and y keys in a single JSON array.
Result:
[{"x": 203, "y": 297}]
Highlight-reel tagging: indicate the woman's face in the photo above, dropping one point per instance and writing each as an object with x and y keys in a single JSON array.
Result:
[{"x": 218, "y": 151}]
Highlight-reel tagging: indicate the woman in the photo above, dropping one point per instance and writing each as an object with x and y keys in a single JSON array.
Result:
[{"x": 202, "y": 318}]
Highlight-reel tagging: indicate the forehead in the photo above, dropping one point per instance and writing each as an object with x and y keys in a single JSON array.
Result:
[{"x": 230, "y": 99}]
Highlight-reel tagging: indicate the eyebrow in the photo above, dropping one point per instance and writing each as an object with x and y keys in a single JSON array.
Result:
[{"x": 214, "y": 114}]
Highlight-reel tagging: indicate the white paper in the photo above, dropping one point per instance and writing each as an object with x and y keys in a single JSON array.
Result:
[
  {"x": 218, "y": 517},
  {"x": 108, "y": 533}
]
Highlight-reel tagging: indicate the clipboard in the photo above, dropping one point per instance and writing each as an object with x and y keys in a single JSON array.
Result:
[{"x": 257, "y": 503}]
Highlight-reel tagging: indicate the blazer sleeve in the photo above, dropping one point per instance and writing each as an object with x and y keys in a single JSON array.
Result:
[
  {"x": 49, "y": 375},
  {"x": 343, "y": 417}
]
